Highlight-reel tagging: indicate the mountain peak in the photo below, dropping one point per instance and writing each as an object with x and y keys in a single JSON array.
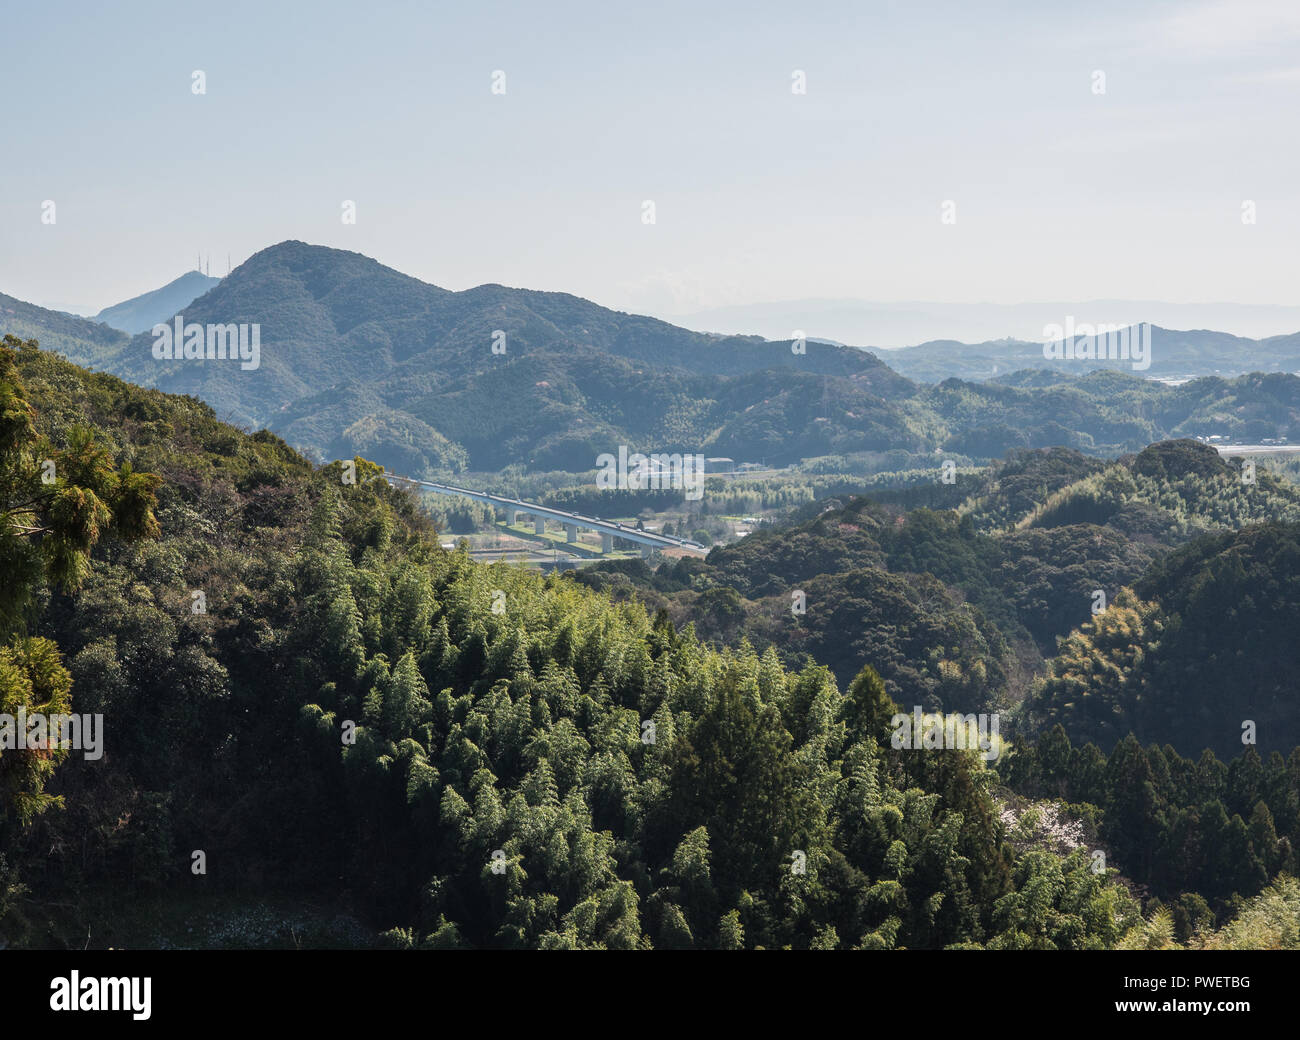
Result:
[
  {"x": 141, "y": 313},
  {"x": 303, "y": 259}
]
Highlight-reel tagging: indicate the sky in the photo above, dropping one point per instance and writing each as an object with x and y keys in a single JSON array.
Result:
[{"x": 1060, "y": 192}]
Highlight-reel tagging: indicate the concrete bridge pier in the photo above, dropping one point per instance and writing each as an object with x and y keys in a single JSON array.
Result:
[
  {"x": 539, "y": 525},
  {"x": 606, "y": 542},
  {"x": 570, "y": 533},
  {"x": 647, "y": 552},
  {"x": 510, "y": 517}
]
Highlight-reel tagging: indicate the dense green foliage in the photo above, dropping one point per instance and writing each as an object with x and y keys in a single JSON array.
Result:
[
  {"x": 1205, "y": 646},
  {"x": 513, "y": 737},
  {"x": 1202, "y": 646},
  {"x": 471, "y": 755},
  {"x": 59, "y": 496},
  {"x": 1027, "y": 549},
  {"x": 80, "y": 338},
  {"x": 1169, "y": 493},
  {"x": 1184, "y": 826}
]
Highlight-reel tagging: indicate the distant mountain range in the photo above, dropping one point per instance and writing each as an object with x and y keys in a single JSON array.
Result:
[
  {"x": 878, "y": 325},
  {"x": 145, "y": 311},
  {"x": 357, "y": 358},
  {"x": 1174, "y": 356}
]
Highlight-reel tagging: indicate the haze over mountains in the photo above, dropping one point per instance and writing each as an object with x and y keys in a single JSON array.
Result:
[
  {"x": 357, "y": 358},
  {"x": 68, "y": 334},
  {"x": 143, "y": 312},
  {"x": 1175, "y": 355},
  {"x": 888, "y": 325}
]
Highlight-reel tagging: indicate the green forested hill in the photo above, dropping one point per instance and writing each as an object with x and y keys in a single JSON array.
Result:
[
  {"x": 1033, "y": 584},
  {"x": 1202, "y": 646},
  {"x": 359, "y": 358},
  {"x": 518, "y": 738},
  {"x": 960, "y": 608},
  {"x": 88, "y": 342},
  {"x": 355, "y": 354},
  {"x": 452, "y": 754},
  {"x": 1168, "y": 493}
]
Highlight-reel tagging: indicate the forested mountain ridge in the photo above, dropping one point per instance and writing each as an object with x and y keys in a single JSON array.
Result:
[
  {"x": 1188, "y": 651},
  {"x": 503, "y": 786},
  {"x": 1108, "y": 413},
  {"x": 1201, "y": 653},
  {"x": 358, "y": 358},
  {"x": 566, "y": 772},
  {"x": 357, "y": 355},
  {"x": 960, "y": 608},
  {"x": 1191, "y": 353},
  {"x": 1167, "y": 493},
  {"x": 83, "y": 340}
]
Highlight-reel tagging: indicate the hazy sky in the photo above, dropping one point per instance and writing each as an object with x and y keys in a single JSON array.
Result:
[{"x": 761, "y": 194}]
